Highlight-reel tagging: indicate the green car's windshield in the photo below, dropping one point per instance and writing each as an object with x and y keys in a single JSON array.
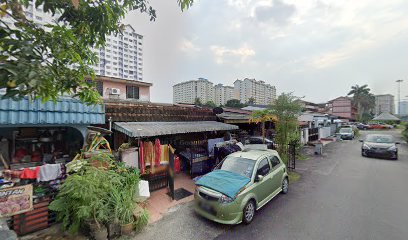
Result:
[
  {"x": 346, "y": 130},
  {"x": 242, "y": 166},
  {"x": 379, "y": 139}
]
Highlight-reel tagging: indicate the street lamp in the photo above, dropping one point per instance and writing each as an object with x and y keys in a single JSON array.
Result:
[{"x": 399, "y": 81}]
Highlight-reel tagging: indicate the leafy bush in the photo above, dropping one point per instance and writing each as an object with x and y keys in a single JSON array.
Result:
[
  {"x": 405, "y": 132},
  {"x": 97, "y": 195},
  {"x": 85, "y": 197}
]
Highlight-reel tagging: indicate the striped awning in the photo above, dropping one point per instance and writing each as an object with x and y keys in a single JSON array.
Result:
[{"x": 151, "y": 129}]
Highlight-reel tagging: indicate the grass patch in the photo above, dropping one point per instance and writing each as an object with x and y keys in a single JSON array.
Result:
[
  {"x": 302, "y": 157},
  {"x": 293, "y": 177}
]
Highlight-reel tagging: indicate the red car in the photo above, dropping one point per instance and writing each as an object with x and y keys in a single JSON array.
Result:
[{"x": 377, "y": 126}]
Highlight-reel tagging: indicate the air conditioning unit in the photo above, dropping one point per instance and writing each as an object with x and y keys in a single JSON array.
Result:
[{"x": 115, "y": 91}]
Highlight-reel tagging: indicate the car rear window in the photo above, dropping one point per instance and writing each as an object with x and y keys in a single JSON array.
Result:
[
  {"x": 380, "y": 138},
  {"x": 346, "y": 130},
  {"x": 241, "y": 166}
]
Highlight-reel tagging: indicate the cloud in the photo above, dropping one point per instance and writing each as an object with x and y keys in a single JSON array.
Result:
[
  {"x": 279, "y": 12},
  {"x": 221, "y": 52},
  {"x": 188, "y": 46}
]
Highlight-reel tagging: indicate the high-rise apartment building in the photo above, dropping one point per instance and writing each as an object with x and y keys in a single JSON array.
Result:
[
  {"x": 246, "y": 89},
  {"x": 187, "y": 92},
  {"x": 222, "y": 94},
  {"x": 403, "y": 108},
  {"x": 121, "y": 58},
  {"x": 384, "y": 103}
]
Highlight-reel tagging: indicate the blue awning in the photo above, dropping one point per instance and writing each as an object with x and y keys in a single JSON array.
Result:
[{"x": 63, "y": 111}]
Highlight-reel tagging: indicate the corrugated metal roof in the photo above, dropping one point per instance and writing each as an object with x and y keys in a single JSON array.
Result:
[
  {"x": 385, "y": 116},
  {"x": 151, "y": 129},
  {"x": 63, "y": 111}
]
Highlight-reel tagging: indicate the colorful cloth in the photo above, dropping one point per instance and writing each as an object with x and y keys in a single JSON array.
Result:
[
  {"x": 157, "y": 151},
  {"x": 141, "y": 157},
  {"x": 49, "y": 172},
  {"x": 164, "y": 157},
  {"x": 29, "y": 173}
]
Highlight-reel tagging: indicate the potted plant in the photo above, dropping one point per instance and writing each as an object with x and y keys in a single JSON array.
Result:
[
  {"x": 84, "y": 199},
  {"x": 122, "y": 198}
]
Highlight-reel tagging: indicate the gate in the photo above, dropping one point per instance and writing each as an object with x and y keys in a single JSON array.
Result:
[{"x": 291, "y": 154}]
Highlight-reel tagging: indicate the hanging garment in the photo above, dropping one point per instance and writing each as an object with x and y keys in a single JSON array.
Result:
[
  {"x": 164, "y": 157},
  {"x": 141, "y": 157},
  {"x": 49, "y": 172},
  {"x": 29, "y": 173},
  {"x": 157, "y": 151},
  {"x": 149, "y": 155}
]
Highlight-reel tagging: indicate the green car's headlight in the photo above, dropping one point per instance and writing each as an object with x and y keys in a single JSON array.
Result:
[{"x": 225, "y": 199}]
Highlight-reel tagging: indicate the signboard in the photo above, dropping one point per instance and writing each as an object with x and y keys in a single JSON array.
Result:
[{"x": 16, "y": 200}]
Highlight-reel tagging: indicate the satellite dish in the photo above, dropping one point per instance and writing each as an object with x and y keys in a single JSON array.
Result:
[{"x": 218, "y": 110}]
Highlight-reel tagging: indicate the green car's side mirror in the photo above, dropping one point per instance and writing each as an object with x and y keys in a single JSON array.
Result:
[{"x": 259, "y": 178}]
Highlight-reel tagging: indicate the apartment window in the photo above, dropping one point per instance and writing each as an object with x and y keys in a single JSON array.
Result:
[{"x": 132, "y": 92}]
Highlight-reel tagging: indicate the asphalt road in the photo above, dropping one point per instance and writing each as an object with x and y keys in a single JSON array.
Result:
[{"x": 341, "y": 195}]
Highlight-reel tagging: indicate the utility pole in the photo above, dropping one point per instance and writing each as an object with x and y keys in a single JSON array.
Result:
[{"x": 399, "y": 97}]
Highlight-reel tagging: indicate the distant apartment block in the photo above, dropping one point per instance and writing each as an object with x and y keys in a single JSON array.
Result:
[
  {"x": 243, "y": 90},
  {"x": 222, "y": 94},
  {"x": 262, "y": 92},
  {"x": 343, "y": 108},
  {"x": 121, "y": 58},
  {"x": 384, "y": 103},
  {"x": 187, "y": 92},
  {"x": 403, "y": 108}
]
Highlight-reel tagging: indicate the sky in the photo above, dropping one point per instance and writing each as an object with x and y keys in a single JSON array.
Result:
[{"x": 314, "y": 48}]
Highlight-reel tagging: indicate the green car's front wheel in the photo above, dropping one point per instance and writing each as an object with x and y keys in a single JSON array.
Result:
[
  {"x": 249, "y": 212},
  {"x": 285, "y": 186}
]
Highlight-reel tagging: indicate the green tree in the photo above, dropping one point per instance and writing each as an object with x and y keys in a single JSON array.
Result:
[
  {"x": 55, "y": 59},
  {"x": 210, "y": 104},
  {"x": 234, "y": 103},
  {"x": 286, "y": 108},
  {"x": 251, "y": 101},
  {"x": 198, "y": 102},
  {"x": 363, "y": 100},
  {"x": 262, "y": 116}
]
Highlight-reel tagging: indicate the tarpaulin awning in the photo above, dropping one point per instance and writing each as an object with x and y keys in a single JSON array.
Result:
[
  {"x": 225, "y": 182},
  {"x": 151, "y": 129}
]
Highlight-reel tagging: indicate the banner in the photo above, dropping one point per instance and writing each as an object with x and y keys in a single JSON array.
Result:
[{"x": 16, "y": 200}]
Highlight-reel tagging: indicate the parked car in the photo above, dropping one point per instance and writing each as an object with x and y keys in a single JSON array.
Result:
[
  {"x": 346, "y": 133},
  {"x": 379, "y": 145},
  {"x": 363, "y": 126},
  {"x": 241, "y": 184},
  {"x": 377, "y": 126},
  {"x": 259, "y": 140}
]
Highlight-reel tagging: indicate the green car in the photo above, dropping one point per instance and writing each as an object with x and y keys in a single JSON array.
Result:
[{"x": 241, "y": 184}]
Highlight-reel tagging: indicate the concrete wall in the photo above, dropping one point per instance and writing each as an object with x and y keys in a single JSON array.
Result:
[{"x": 144, "y": 91}]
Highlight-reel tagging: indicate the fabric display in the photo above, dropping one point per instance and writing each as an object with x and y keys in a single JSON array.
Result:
[
  {"x": 153, "y": 155},
  {"x": 157, "y": 151},
  {"x": 212, "y": 143},
  {"x": 49, "y": 172},
  {"x": 30, "y": 173},
  {"x": 164, "y": 157},
  {"x": 141, "y": 157}
]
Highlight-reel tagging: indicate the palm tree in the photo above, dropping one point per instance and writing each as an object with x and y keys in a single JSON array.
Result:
[
  {"x": 362, "y": 99},
  {"x": 262, "y": 116}
]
